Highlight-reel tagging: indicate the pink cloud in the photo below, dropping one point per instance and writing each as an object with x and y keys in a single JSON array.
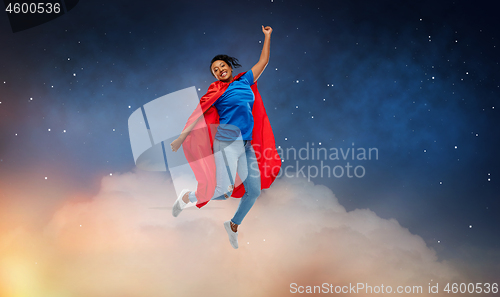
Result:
[{"x": 125, "y": 242}]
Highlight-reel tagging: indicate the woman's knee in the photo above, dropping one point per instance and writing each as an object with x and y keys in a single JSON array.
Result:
[{"x": 253, "y": 191}]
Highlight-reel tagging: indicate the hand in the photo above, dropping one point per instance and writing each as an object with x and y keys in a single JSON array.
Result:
[
  {"x": 176, "y": 144},
  {"x": 267, "y": 30}
]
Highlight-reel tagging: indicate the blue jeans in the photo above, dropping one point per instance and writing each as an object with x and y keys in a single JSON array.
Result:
[{"x": 231, "y": 157}]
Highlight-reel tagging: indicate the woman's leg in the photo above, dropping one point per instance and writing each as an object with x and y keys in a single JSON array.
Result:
[
  {"x": 226, "y": 155},
  {"x": 249, "y": 168}
]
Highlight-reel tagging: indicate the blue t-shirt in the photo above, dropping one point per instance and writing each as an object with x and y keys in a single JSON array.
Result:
[{"x": 235, "y": 110}]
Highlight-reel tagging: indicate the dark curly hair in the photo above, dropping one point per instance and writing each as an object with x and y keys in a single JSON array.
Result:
[{"x": 231, "y": 61}]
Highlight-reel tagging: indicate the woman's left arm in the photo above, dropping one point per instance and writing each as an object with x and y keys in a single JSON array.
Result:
[{"x": 264, "y": 56}]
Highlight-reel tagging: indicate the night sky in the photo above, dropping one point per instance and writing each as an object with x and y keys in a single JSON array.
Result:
[{"x": 417, "y": 80}]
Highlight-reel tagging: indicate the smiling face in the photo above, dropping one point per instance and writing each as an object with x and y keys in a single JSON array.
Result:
[{"x": 222, "y": 71}]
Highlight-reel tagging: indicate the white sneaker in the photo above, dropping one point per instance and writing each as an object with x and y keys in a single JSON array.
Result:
[
  {"x": 179, "y": 205},
  {"x": 233, "y": 236}
]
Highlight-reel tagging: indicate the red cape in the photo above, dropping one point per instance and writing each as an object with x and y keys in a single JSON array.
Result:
[{"x": 198, "y": 145}]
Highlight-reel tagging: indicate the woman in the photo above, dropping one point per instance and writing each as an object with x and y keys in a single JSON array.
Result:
[{"x": 236, "y": 105}]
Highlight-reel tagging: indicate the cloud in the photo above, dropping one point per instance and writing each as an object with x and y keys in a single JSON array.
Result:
[{"x": 125, "y": 242}]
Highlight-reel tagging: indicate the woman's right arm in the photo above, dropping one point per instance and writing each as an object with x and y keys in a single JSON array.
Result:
[
  {"x": 212, "y": 91},
  {"x": 176, "y": 144}
]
